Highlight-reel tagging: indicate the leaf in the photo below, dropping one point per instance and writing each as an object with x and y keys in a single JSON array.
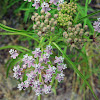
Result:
[
  {"x": 19, "y": 48},
  {"x": 75, "y": 68},
  {"x": 23, "y": 34}
]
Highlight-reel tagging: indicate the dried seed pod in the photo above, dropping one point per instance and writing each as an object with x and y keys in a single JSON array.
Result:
[
  {"x": 34, "y": 26},
  {"x": 52, "y": 29}
]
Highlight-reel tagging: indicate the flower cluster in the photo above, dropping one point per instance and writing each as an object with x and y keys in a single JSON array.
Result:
[
  {"x": 39, "y": 64},
  {"x": 66, "y": 13},
  {"x": 46, "y": 5},
  {"x": 76, "y": 35},
  {"x": 44, "y": 24},
  {"x": 96, "y": 25}
]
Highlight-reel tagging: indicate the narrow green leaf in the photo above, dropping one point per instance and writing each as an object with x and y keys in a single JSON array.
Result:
[
  {"x": 19, "y": 48},
  {"x": 23, "y": 34}
]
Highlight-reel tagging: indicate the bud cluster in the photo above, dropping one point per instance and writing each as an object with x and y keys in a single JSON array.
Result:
[
  {"x": 66, "y": 13},
  {"x": 39, "y": 64},
  {"x": 43, "y": 24},
  {"x": 76, "y": 35}
]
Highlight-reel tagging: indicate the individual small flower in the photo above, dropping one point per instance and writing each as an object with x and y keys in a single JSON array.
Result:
[
  {"x": 51, "y": 70},
  {"x": 48, "y": 77},
  {"x": 21, "y": 86},
  {"x": 46, "y": 58},
  {"x": 26, "y": 83},
  {"x": 60, "y": 77},
  {"x": 96, "y": 26},
  {"x": 53, "y": 1},
  {"x": 36, "y": 4},
  {"x": 37, "y": 84},
  {"x": 61, "y": 67},
  {"x": 48, "y": 49},
  {"x": 17, "y": 72},
  {"x": 38, "y": 91},
  {"x": 38, "y": 68},
  {"x": 47, "y": 89},
  {"x": 28, "y": 60},
  {"x": 37, "y": 52},
  {"x": 24, "y": 66},
  {"x": 31, "y": 75},
  {"x": 59, "y": 59},
  {"x": 13, "y": 53},
  {"x": 45, "y": 7},
  {"x": 98, "y": 19}
]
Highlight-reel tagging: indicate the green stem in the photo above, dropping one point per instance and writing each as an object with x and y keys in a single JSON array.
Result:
[{"x": 39, "y": 97}]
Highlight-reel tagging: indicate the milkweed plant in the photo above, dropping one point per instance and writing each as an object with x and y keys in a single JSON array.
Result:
[{"x": 44, "y": 66}]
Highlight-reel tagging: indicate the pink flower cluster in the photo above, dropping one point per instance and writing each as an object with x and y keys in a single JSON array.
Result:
[
  {"x": 45, "y": 5},
  {"x": 96, "y": 25},
  {"x": 39, "y": 63}
]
